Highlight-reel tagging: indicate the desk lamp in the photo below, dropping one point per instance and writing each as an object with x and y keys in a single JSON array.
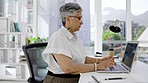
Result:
[{"x": 115, "y": 27}]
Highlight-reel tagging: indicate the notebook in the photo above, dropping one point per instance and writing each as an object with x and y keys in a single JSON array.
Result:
[{"x": 127, "y": 61}]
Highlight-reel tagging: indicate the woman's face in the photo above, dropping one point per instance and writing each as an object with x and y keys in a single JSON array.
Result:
[{"x": 75, "y": 22}]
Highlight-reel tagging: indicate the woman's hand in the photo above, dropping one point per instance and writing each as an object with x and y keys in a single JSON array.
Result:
[
  {"x": 105, "y": 58},
  {"x": 106, "y": 63}
]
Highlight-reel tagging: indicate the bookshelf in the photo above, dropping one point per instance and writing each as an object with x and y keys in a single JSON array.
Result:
[
  {"x": 11, "y": 41},
  {"x": 14, "y": 25}
]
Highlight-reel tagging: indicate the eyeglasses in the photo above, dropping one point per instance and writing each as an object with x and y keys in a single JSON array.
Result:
[{"x": 79, "y": 18}]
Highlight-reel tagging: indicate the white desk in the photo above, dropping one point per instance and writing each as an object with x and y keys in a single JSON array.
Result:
[{"x": 138, "y": 74}]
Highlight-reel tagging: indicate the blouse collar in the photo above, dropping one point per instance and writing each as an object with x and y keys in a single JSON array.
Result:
[{"x": 68, "y": 34}]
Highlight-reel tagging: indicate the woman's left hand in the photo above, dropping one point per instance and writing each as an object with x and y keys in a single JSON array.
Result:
[{"x": 105, "y": 58}]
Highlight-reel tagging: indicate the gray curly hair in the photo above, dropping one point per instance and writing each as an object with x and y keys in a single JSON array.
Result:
[{"x": 69, "y": 9}]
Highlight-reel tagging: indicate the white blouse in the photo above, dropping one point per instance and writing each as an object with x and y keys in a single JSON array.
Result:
[{"x": 63, "y": 42}]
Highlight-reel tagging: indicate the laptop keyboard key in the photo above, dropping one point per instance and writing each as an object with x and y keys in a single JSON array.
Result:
[{"x": 116, "y": 68}]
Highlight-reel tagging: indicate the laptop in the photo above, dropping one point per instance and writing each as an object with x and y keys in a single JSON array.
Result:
[{"x": 127, "y": 61}]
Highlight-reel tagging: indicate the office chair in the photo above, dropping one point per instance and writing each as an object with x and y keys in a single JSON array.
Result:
[{"x": 36, "y": 65}]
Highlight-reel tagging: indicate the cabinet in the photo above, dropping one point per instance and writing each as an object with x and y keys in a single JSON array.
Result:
[{"x": 13, "y": 34}]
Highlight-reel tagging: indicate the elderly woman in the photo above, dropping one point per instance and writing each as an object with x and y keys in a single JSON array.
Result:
[{"x": 65, "y": 53}]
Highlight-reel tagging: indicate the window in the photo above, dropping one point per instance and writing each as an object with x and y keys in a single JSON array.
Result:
[
  {"x": 112, "y": 10},
  {"x": 139, "y": 10}
]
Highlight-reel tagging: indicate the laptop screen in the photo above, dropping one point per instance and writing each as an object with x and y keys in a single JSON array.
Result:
[{"x": 129, "y": 53}]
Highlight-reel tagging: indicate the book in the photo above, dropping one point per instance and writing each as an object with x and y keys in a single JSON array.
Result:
[
  {"x": 16, "y": 25},
  {"x": 12, "y": 28},
  {"x": 19, "y": 40},
  {"x": 16, "y": 41}
]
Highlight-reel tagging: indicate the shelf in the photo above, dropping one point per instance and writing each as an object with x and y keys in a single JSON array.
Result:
[
  {"x": 13, "y": 64},
  {"x": 13, "y": 35},
  {"x": 10, "y": 48},
  {"x": 10, "y": 78}
]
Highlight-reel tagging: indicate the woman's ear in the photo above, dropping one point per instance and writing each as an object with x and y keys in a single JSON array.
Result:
[
  {"x": 67, "y": 21},
  {"x": 67, "y": 18}
]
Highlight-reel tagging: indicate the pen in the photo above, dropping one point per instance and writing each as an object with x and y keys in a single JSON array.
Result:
[
  {"x": 96, "y": 79},
  {"x": 118, "y": 78}
]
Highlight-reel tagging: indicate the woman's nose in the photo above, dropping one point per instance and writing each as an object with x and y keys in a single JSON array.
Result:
[{"x": 81, "y": 21}]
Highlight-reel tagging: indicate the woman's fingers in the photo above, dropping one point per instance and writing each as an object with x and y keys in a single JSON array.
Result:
[{"x": 109, "y": 63}]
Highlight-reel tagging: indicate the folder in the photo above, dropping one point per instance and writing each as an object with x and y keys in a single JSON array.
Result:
[{"x": 3, "y": 24}]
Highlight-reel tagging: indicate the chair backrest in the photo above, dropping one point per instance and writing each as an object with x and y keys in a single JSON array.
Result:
[{"x": 36, "y": 65}]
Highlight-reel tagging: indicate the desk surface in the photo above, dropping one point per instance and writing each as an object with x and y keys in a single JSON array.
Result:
[{"x": 138, "y": 74}]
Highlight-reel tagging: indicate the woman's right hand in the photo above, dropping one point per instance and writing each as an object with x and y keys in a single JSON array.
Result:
[{"x": 106, "y": 64}]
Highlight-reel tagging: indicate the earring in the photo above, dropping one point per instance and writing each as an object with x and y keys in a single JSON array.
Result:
[{"x": 68, "y": 28}]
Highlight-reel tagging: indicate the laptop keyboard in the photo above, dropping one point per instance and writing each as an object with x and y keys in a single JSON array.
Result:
[{"x": 116, "y": 68}]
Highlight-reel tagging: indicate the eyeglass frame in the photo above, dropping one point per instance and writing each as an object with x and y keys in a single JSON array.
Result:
[{"x": 79, "y": 18}]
